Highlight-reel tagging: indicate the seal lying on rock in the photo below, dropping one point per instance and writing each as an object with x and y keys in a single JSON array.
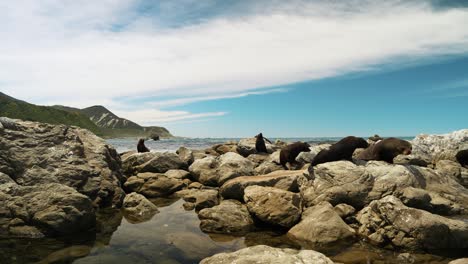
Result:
[
  {"x": 386, "y": 150},
  {"x": 341, "y": 150},
  {"x": 290, "y": 152},
  {"x": 141, "y": 146},
  {"x": 260, "y": 143},
  {"x": 462, "y": 157}
]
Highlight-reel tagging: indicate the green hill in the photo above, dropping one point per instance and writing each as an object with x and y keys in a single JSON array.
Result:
[{"x": 14, "y": 108}]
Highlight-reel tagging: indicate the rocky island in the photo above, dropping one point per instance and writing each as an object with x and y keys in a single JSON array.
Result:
[{"x": 59, "y": 180}]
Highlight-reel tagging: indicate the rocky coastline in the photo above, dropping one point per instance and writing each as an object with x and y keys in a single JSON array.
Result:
[{"x": 54, "y": 179}]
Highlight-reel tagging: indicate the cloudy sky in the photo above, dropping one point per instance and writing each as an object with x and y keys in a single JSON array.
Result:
[{"x": 234, "y": 68}]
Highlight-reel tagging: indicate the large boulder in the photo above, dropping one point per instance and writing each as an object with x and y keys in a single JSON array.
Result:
[
  {"x": 229, "y": 217},
  {"x": 268, "y": 255},
  {"x": 273, "y": 205},
  {"x": 440, "y": 147},
  {"x": 285, "y": 180},
  {"x": 201, "y": 199},
  {"x": 43, "y": 210},
  {"x": 389, "y": 222},
  {"x": 34, "y": 153},
  {"x": 157, "y": 162},
  {"x": 137, "y": 208},
  {"x": 321, "y": 226},
  {"x": 344, "y": 182},
  {"x": 215, "y": 171},
  {"x": 246, "y": 146},
  {"x": 153, "y": 184},
  {"x": 429, "y": 201},
  {"x": 186, "y": 155}
]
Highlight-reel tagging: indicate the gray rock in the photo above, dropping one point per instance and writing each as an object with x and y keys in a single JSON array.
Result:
[
  {"x": 410, "y": 160},
  {"x": 307, "y": 157},
  {"x": 34, "y": 153},
  {"x": 440, "y": 147},
  {"x": 429, "y": 201},
  {"x": 268, "y": 255},
  {"x": 229, "y": 217},
  {"x": 273, "y": 205},
  {"x": 137, "y": 208},
  {"x": 153, "y": 184},
  {"x": 285, "y": 180},
  {"x": 161, "y": 162},
  {"x": 389, "y": 221},
  {"x": 321, "y": 226},
  {"x": 452, "y": 169}
]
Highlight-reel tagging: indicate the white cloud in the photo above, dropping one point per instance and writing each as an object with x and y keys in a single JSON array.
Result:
[
  {"x": 55, "y": 50},
  {"x": 152, "y": 116}
]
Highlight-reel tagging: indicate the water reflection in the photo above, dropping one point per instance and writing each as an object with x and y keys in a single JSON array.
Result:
[{"x": 171, "y": 236}]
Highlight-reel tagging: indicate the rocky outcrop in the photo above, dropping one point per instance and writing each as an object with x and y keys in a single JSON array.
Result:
[
  {"x": 273, "y": 205},
  {"x": 267, "y": 167},
  {"x": 321, "y": 226},
  {"x": 43, "y": 210},
  {"x": 157, "y": 162},
  {"x": 137, "y": 208},
  {"x": 153, "y": 184},
  {"x": 389, "y": 222},
  {"x": 268, "y": 255},
  {"x": 285, "y": 180},
  {"x": 433, "y": 148},
  {"x": 215, "y": 171},
  {"x": 200, "y": 199},
  {"x": 246, "y": 146},
  {"x": 35, "y": 153},
  {"x": 229, "y": 217},
  {"x": 429, "y": 201}
]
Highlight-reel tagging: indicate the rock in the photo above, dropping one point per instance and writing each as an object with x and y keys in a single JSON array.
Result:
[
  {"x": 153, "y": 184},
  {"x": 186, "y": 155},
  {"x": 34, "y": 153},
  {"x": 275, "y": 157},
  {"x": 178, "y": 174},
  {"x": 161, "y": 163},
  {"x": 215, "y": 171},
  {"x": 321, "y": 226},
  {"x": 459, "y": 261},
  {"x": 267, "y": 167},
  {"x": 246, "y": 146},
  {"x": 268, "y": 255},
  {"x": 138, "y": 209},
  {"x": 452, "y": 169},
  {"x": 258, "y": 158},
  {"x": 285, "y": 180},
  {"x": 344, "y": 210},
  {"x": 410, "y": 160},
  {"x": 273, "y": 206},
  {"x": 389, "y": 222},
  {"x": 429, "y": 201},
  {"x": 191, "y": 245},
  {"x": 440, "y": 147},
  {"x": 202, "y": 198},
  {"x": 229, "y": 217},
  {"x": 195, "y": 185},
  {"x": 43, "y": 210},
  {"x": 225, "y": 148},
  {"x": 307, "y": 157}
]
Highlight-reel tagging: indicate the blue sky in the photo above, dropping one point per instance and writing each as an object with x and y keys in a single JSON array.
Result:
[{"x": 234, "y": 68}]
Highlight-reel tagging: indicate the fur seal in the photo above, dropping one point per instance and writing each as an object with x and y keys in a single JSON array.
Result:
[
  {"x": 462, "y": 157},
  {"x": 341, "y": 150},
  {"x": 141, "y": 146},
  {"x": 386, "y": 150},
  {"x": 290, "y": 152},
  {"x": 260, "y": 143}
]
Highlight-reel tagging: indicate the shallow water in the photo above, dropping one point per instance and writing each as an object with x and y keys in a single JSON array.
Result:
[{"x": 172, "y": 236}]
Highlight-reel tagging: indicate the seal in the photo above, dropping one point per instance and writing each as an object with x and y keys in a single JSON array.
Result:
[
  {"x": 289, "y": 153},
  {"x": 341, "y": 150},
  {"x": 260, "y": 146},
  {"x": 462, "y": 157},
  {"x": 386, "y": 150},
  {"x": 141, "y": 146}
]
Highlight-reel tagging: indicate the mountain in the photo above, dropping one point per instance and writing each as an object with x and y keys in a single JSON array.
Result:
[
  {"x": 97, "y": 118},
  {"x": 14, "y": 108}
]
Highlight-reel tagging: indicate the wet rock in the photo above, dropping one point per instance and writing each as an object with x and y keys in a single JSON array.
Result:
[
  {"x": 137, "y": 208},
  {"x": 285, "y": 180},
  {"x": 440, "y": 147},
  {"x": 34, "y": 153},
  {"x": 273, "y": 205},
  {"x": 268, "y": 255},
  {"x": 321, "y": 226},
  {"x": 389, "y": 222},
  {"x": 153, "y": 185},
  {"x": 228, "y": 217},
  {"x": 215, "y": 171},
  {"x": 191, "y": 245}
]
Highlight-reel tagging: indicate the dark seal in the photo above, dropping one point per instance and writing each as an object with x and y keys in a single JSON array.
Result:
[
  {"x": 462, "y": 157},
  {"x": 290, "y": 152},
  {"x": 386, "y": 150},
  {"x": 141, "y": 146},
  {"x": 341, "y": 150},
  {"x": 260, "y": 146}
]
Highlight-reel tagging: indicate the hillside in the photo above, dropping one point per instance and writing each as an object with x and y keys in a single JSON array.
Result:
[{"x": 14, "y": 108}]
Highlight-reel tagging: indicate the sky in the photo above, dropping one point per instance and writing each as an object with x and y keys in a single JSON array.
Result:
[{"x": 235, "y": 68}]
